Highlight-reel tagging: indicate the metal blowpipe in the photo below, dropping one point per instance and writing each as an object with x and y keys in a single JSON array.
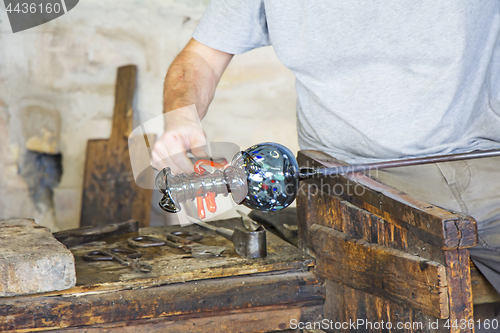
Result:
[{"x": 343, "y": 169}]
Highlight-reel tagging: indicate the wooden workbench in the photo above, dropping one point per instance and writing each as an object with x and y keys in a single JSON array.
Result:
[
  {"x": 387, "y": 257},
  {"x": 181, "y": 294}
]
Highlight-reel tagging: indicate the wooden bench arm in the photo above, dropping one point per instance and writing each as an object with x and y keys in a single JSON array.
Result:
[{"x": 433, "y": 224}]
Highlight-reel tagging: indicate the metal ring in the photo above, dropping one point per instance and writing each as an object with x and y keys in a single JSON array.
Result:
[
  {"x": 145, "y": 241},
  {"x": 129, "y": 253},
  {"x": 98, "y": 255},
  {"x": 192, "y": 236}
]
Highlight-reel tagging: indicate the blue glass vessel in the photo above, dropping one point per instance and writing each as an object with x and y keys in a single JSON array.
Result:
[{"x": 271, "y": 176}]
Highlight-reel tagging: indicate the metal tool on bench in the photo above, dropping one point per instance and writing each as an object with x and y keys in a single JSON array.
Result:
[
  {"x": 183, "y": 240},
  {"x": 79, "y": 236},
  {"x": 145, "y": 241},
  {"x": 247, "y": 243},
  {"x": 248, "y": 223},
  {"x": 126, "y": 257}
]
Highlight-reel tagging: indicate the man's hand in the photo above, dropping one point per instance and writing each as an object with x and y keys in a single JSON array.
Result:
[
  {"x": 188, "y": 91},
  {"x": 183, "y": 132}
]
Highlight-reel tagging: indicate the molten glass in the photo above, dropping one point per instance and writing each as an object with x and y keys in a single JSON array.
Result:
[{"x": 263, "y": 177}]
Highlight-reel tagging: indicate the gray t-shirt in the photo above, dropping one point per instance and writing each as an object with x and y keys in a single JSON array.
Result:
[{"x": 377, "y": 79}]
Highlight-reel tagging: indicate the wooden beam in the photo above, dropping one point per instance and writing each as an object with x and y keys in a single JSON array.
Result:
[
  {"x": 259, "y": 319},
  {"x": 381, "y": 271},
  {"x": 110, "y": 193},
  {"x": 206, "y": 296},
  {"x": 459, "y": 289},
  {"x": 345, "y": 304}
]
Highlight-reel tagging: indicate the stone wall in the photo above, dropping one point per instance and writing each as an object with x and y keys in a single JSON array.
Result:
[{"x": 57, "y": 85}]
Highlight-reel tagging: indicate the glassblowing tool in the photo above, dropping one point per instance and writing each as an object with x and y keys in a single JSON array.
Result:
[
  {"x": 145, "y": 241},
  {"x": 126, "y": 257},
  {"x": 265, "y": 177},
  {"x": 79, "y": 236},
  {"x": 183, "y": 240},
  {"x": 247, "y": 243},
  {"x": 248, "y": 223}
]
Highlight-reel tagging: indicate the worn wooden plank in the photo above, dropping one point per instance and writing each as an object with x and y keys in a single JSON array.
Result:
[
  {"x": 315, "y": 206},
  {"x": 355, "y": 311},
  {"x": 482, "y": 290},
  {"x": 109, "y": 191},
  {"x": 432, "y": 223},
  {"x": 345, "y": 305},
  {"x": 206, "y": 296},
  {"x": 256, "y": 319},
  {"x": 380, "y": 270},
  {"x": 354, "y": 222},
  {"x": 459, "y": 288},
  {"x": 430, "y": 324}
]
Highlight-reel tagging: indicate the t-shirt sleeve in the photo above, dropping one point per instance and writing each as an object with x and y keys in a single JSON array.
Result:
[{"x": 233, "y": 26}]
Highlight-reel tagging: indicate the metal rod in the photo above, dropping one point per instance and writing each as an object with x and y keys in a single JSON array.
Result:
[
  {"x": 202, "y": 224},
  {"x": 343, "y": 169}
]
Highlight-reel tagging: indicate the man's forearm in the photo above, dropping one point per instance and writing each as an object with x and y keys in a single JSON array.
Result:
[{"x": 193, "y": 77}]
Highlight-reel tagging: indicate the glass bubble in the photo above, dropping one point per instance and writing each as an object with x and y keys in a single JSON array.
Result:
[{"x": 272, "y": 176}]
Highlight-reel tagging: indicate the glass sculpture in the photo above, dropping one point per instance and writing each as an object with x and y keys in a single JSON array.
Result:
[{"x": 264, "y": 177}]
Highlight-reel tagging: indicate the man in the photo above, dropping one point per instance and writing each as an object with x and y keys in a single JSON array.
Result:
[{"x": 375, "y": 81}]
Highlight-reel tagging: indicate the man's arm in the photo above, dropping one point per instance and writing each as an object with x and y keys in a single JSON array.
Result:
[
  {"x": 191, "y": 80},
  {"x": 193, "y": 77}
]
